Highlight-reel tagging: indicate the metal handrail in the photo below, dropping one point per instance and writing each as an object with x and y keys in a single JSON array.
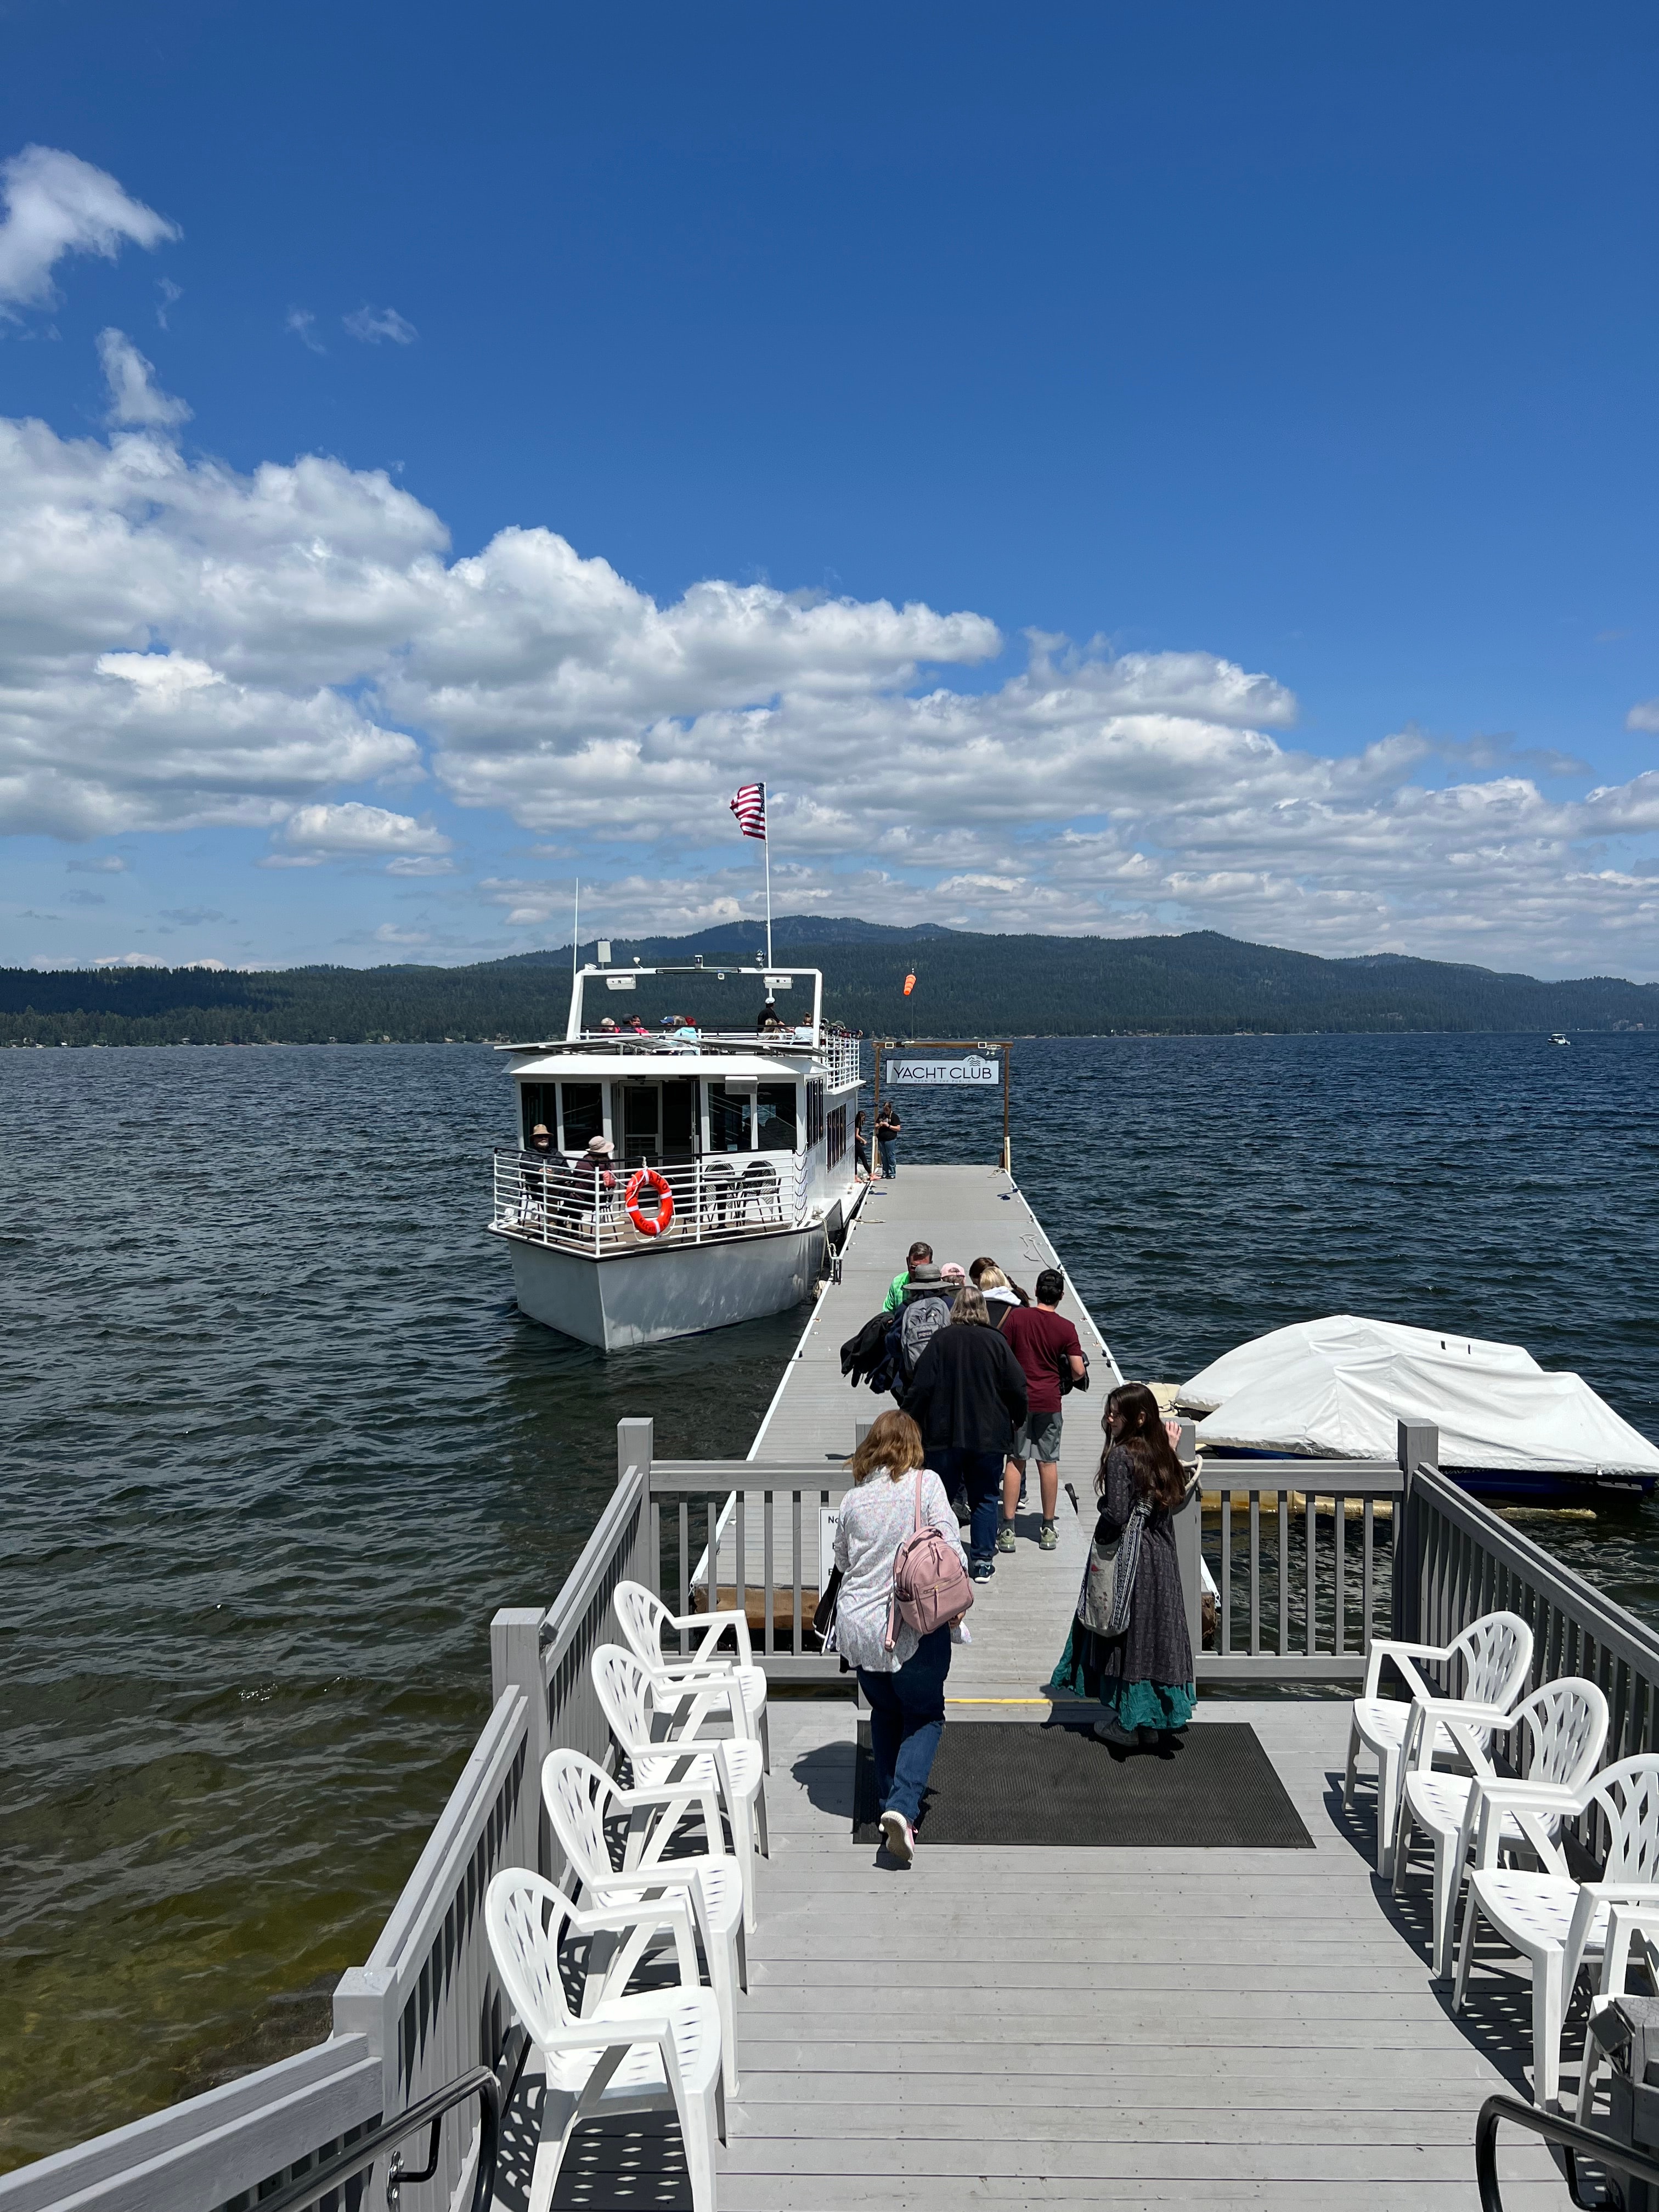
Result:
[
  {"x": 1566, "y": 2134},
  {"x": 482, "y": 2082}
]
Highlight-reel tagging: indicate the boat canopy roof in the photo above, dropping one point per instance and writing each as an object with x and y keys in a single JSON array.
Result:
[
  {"x": 1336, "y": 1386},
  {"x": 656, "y": 1061}
]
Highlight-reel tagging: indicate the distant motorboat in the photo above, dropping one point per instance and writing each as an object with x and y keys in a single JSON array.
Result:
[
  {"x": 1335, "y": 1388},
  {"x": 1558, "y": 1036}
]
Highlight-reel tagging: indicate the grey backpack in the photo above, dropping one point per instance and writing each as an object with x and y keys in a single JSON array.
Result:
[{"x": 921, "y": 1322}]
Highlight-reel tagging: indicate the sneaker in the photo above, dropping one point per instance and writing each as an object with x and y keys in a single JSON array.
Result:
[
  {"x": 981, "y": 1571},
  {"x": 899, "y": 1836},
  {"x": 1109, "y": 1729},
  {"x": 1005, "y": 1537},
  {"x": 1049, "y": 1538}
]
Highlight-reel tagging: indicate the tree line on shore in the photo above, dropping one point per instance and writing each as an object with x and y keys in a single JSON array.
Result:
[{"x": 968, "y": 985}]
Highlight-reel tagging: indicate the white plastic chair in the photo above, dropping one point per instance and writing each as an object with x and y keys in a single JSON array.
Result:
[
  {"x": 580, "y": 1798},
  {"x": 732, "y": 1763},
  {"x": 1629, "y": 1927},
  {"x": 1495, "y": 1652},
  {"x": 1556, "y": 1923},
  {"x": 644, "y": 1618},
  {"x": 1559, "y": 1734},
  {"x": 649, "y": 2052}
]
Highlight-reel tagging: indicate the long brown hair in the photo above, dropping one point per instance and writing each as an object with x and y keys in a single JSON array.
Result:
[
  {"x": 894, "y": 1442},
  {"x": 1160, "y": 1480}
]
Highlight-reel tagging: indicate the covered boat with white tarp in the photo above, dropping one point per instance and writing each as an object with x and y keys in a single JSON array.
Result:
[{"x": 1335, "y": 1388}]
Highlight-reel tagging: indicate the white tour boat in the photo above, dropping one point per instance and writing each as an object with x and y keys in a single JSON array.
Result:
[{"x": 731, "y": 1173}]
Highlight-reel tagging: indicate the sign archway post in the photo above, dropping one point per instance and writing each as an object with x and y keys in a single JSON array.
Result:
[{"x": 1003, "y": 1045}]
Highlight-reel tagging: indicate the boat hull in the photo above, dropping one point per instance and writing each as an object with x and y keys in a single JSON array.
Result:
[
  {"x": 1531, "y": 1486},
  {"x": 657, "y": 1293}
]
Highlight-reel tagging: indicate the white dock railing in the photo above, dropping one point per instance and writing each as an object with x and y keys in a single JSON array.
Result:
[{"x": 713, "y": 1199}]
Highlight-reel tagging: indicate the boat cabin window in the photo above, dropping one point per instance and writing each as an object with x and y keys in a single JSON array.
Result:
[
  {"x": 775, "y": 1105},
  {"x": 539, "y": 1102},
  {"x": 584, "y": 1115},
  {"x": 730, "y": 1116}
]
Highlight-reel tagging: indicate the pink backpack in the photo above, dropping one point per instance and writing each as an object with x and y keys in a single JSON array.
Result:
[{"x": 930, "y": 1583}]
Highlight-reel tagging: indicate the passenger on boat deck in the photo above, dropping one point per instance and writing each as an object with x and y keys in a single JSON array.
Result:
[
  {"x": 966, "y": 1395},
  {"x": 535, "y": 1185},
  {"x": 860, "y": 1146},
  {"x": 918, "y": 1252},
  {"x": 769, "y": 1017},
  {"x": 591, "y": 1169},
  {"x": 903, "y": 1687},
  {"x": 608, "y": 1024},
  {"x": 636, "y": 1025}
]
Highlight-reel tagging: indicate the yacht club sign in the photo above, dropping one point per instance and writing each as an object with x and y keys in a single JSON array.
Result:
[{"x": 941, "y": 1075}]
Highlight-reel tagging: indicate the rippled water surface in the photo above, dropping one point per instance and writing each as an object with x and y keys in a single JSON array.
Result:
[{"x": 276, "y": 1442}]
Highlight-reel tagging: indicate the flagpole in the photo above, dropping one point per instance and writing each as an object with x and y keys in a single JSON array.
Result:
[{"x": 766, "y": 844}]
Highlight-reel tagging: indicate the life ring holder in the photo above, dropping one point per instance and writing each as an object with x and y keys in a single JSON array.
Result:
[{"x": 645, "y": 1224}]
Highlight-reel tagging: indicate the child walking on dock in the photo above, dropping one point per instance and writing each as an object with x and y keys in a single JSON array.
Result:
[{"x": 903, "y": 1686}]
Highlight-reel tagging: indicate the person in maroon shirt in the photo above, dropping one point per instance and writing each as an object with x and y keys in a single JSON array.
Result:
[{"x": 1040, "y": 1338}]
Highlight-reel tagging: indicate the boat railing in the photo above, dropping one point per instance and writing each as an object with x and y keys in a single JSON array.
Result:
[
  {"x": 722, "y": 1196},
  {"x": 843, "y": 1060}
]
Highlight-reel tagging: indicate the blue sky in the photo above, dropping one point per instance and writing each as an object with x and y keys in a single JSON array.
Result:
[{"x": 1296, "y": 366}]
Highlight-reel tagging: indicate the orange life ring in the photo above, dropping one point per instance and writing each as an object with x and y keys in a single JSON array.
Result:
[{"x": 648, "y": 1179}]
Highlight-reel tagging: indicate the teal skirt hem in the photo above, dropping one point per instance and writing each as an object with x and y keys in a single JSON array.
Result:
[{"x": 1160, "y": 1705}]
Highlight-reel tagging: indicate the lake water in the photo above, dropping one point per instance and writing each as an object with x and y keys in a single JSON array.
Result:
[{"x": 276, "y": 1442}]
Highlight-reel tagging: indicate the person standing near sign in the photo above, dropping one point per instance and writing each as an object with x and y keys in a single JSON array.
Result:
[{"x": 888, "y": 1126}]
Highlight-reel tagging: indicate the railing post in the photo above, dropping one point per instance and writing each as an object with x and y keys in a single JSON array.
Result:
[
  {"x": 1188, "y": 1524},
  {"x": 365, "y": 2004},
  {"x": 1416, "y": 1442},
  {"x": 515, "y": 1663},
  {"x": 635, "y": 1447}
]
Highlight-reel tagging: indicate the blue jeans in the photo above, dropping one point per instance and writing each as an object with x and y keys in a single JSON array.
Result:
[
  {"x": 980, "y": 1475},
  {"x": 888, "y": 1148},
  {"x": 907, "y": 1718}
]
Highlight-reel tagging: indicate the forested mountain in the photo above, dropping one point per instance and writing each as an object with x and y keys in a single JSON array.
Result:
[{"x": 967, "y": 986}]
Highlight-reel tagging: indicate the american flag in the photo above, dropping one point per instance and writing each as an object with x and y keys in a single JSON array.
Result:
[{"x": 749, "y": 807}]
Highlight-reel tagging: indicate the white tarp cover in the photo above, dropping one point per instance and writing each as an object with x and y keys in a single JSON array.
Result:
[{"x": 1337, "y": 1387}]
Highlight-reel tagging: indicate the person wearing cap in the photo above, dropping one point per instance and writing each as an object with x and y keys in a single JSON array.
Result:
[{"x": 769, "y": 1017}]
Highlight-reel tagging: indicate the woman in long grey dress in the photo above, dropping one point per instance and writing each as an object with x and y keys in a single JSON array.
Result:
[{"x": 1143, "y": 1678}]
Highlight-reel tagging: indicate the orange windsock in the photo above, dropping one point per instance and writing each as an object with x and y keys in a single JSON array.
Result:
[{"x": 909, "y": 985}]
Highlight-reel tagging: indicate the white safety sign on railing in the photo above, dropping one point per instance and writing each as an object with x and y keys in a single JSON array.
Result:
[{"x": 947, "y": 1072}]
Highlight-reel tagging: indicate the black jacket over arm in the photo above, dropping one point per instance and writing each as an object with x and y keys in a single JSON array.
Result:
[{"x": 968, "y": 1389}]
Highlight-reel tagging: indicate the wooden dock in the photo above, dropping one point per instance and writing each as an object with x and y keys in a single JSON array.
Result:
[{"x": 1042, "y": 2027}]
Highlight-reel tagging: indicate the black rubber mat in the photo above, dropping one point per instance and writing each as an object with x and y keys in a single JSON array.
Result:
[{"x": 1012, "y": 1783}]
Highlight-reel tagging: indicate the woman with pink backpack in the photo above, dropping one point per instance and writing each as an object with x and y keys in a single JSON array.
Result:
[{"x": 903, "y": 1589}]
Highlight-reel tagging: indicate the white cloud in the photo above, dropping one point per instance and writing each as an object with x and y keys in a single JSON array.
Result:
[
  {"x": 182, "y": 644},
  {"x": 390, "y": 933},
  {"x": 358, "y": 830},
  {"x": 57, "y": 204},
  {"x": 371, "y": 325},
  {"x": 1644, "y": 715},
  {"x": 130, "y": 960},
  {"x": 303, "y": 325},
  {"x": 133, "y": 396}
]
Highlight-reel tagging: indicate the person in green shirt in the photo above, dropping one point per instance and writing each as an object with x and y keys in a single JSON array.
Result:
[{"x": 895, "y": 1298}]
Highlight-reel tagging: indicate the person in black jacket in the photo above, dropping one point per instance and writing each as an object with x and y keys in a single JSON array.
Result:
[{"x": 968, "y": 1396}]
